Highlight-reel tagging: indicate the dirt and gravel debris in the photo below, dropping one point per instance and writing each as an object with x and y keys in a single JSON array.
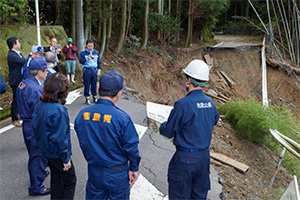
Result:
[{"x": 158, "y": 78}]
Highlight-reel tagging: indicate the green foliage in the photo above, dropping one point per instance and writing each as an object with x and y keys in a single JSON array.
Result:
[
  {"x": 207, "y": 35},
  {"x": 155, "y": 48},
  {"x": 240, "y": 28},
  {"x": 13, "y": 11},
  {"x": 165, "y": 23},
  {"x": 251, "y": 120},
  {"x": 5, "y": 113},
  {"x": 210, "y": 10},
  {"x": 132, "y": 43}
]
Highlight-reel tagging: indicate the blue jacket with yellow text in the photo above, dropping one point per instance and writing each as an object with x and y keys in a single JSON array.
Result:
[{"x": 107, "y": 136}]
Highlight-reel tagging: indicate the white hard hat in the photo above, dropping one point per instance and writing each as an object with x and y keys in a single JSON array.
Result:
[{"x": 198, "y": 70}]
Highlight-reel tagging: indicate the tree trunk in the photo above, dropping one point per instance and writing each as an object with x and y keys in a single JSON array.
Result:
[
  {"x": 169, "y": 34},
  {"x": 103, "y": 38},
  {"x": 145, "y": 26},
  {"x": 159, "y": 12},
  {"x": 87, "y": 19},
  {"x": 79, "y": 26},
  {"x": 178, "y": 16},
  {"x": 187, "y": 42},
  {"x": 128, "y": 19},
  {"x": 56, "y": 11},
  {"x": 72, "y": 27},
  {"x": 247, "y": 9},
  {"x": 109, "y": 25},
  {"x": 122, "y": 28},
  {"x": 100, "y": 19}
]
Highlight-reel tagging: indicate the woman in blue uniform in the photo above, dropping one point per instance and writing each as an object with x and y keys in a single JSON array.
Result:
[
  {"x": 52, "y": 131},
  {"x": 191, "y": 124}
]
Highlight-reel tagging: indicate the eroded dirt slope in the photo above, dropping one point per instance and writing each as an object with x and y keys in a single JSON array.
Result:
[{"x": 158, "y": 78}]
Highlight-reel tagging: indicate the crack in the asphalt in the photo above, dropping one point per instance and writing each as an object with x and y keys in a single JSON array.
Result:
[
  {"x": 150, "y": 171},
  {"x": 153, "y": 142}
]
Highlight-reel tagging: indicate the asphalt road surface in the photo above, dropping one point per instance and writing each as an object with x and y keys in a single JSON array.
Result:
[{"x": 155, "y": 150}]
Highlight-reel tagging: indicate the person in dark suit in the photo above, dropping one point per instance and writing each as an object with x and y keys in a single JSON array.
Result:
[
  {"x": 15, "y": 61},
  {"x": 56, "y": 49}
]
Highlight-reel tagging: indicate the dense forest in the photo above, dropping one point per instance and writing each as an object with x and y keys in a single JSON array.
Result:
[{"x": 126, "y": 25}]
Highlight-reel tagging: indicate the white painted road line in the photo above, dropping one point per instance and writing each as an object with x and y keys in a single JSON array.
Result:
[
  {"x": 143, "y": 189},
  {"x": 6, "y": 128}
]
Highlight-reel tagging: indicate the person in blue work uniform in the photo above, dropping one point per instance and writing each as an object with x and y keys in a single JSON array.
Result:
[
  {"x": 91, "y": 61},
  {"x": 36, "y": 51},
  {"x": 190, "y": 124},
  {"x": 109, "y": 142},
  {"x": 28, "y": 95},
  {"x": 51, "y": 126}
]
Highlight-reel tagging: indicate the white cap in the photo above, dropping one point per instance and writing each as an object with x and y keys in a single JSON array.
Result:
[{"x": 198, "y": 70}]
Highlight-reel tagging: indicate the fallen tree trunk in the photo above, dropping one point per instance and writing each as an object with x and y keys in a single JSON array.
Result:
[{"x": 278, "y": 64}]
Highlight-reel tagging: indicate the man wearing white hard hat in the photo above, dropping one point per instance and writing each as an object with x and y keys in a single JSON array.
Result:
[{"x": 190, "y": 124}]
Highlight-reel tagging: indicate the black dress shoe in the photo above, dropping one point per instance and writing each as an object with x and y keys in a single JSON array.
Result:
[{"x": 45, "y": 192}]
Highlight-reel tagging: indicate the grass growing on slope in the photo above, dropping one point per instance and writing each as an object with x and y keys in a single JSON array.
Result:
[{"x": 251, "y": 120}]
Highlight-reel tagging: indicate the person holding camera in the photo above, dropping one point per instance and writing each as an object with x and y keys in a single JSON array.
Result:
[
  {"x": 90, "y": 59},
  {"x": 70, "y": 51},
  {"x": 56, "y": 49}
]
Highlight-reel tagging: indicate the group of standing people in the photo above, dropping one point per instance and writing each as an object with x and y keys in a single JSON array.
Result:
[
  {"x": 106, "y": 134},
  {"x": 19, "y": 67}
]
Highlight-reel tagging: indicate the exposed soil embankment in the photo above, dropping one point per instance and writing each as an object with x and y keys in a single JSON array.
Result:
[{"x": 158, "y": 78}]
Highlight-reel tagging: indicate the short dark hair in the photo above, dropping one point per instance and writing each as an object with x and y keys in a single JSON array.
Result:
[
  {"x": 56, "y": 88},
  {"x": 11, "y": 42},
  {"x": 104, "y": 93},
  {"x": 89, "y": 41}
]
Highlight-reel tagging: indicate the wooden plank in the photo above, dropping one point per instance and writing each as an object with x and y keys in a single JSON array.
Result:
[
  {"x": 209, "y": 60},
  {"x": 229, "y": 161},
  {"x": 213, "y": 96},
  {"x": 223, "y": 96},
  {"x": 221, "y": 77},
  {"x": 228, "y": 79}
]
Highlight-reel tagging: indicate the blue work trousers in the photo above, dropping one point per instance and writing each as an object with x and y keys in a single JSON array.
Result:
[
  {"x": 37, "y": 162},
  {"x": 90, "y": 81},
  {"x": 188, "y": 175},
  {"x": 105, "y": 183}
]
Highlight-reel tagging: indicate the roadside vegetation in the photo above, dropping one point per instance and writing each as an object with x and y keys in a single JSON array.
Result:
[{"x": 251, "y": 120}]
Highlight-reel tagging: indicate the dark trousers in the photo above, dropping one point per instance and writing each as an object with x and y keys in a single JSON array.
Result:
[
  {"x": 37, "y": 163},
  {"x": 188, "y": 175},
  {"x": 90, "y": 81},
  {"x": 14, "y": 104},
  {"x": 57, "y": 68},
  {"x": 62, "y": 182},
  {"x": 105, "y": 183}
]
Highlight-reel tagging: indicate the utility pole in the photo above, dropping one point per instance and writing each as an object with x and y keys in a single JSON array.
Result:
[{"x": 37, "y": 14}]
